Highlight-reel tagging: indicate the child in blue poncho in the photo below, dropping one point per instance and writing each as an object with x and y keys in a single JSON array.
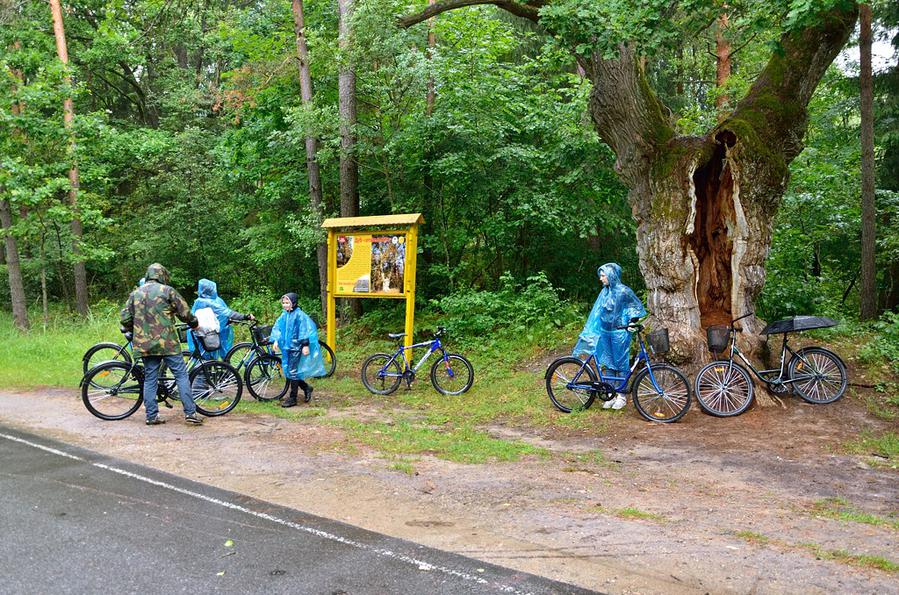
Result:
[
  {"x": 301, "y": 357},
  {"x": 614, "y": 307},
  {"x": 208, "y": 297}
]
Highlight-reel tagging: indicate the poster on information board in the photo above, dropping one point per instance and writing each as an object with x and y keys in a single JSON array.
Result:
[{"x": 371, "y": 264}]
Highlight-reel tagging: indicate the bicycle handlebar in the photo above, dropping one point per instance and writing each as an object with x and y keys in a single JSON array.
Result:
[{"x": 741, "y": 318}]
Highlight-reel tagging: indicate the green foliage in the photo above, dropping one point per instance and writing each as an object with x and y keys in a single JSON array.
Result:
[
  {"x": 526, "y": 308},
  {"x": 885, "y": 346}
]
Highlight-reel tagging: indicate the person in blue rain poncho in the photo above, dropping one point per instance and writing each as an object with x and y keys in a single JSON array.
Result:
[
  {"x": 614, "y": 307},
  {"x": 301, "y": 357},
  {"x": 208, "y": 297}
]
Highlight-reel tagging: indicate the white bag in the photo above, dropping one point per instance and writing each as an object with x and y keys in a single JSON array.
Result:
[{"x": 209, "y": 322}]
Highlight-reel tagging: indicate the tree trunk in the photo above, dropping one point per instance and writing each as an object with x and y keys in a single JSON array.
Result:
[
  {"x": 346, "y": 91},
  {"x": 312, "y": 169},
  {"x": 722, "y": 65},
  {"x": 14, "y": 270},
  {"x": 868, "y": 288},
  {"x": 81, "y": 298},
  {"x": 432, "y": 43},
  {"x": 704, "y": 206},
  {"x": 346, "y": 85}
]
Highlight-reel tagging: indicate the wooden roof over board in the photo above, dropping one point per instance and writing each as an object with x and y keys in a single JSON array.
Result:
[{"x": 393, "y": 220}]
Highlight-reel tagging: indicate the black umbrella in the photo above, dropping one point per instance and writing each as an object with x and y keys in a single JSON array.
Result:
[{"x": 798, "y": 323}]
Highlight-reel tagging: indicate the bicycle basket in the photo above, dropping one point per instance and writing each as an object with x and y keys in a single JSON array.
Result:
[
  {"x": 718, "y": 336},
  {"x": 211, "y": 340},
  {"x": 182, "y": 333},
  {"x": 262, "y": 333},
  {"x": 658, "y": 340}
]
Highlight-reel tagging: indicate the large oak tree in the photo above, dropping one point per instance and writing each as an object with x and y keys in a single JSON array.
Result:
[{"x": 704, "y": 205}]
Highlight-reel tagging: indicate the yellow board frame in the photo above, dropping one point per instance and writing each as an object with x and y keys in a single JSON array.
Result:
[{"x": 338, "y": 225}]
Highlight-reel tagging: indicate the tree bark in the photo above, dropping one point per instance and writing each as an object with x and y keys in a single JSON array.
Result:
[
  {"x": 346, "y": 84},
  {"x": 432, "y": 43},
  {"x": 80, "y": 273},
  {"x": 346, "y": 92},
  {"x": 14, "y": 270},
  {"x": 722, "y": 64},
  {"x": 313, "y": 171},
  {"x": 868, "y": 288}
]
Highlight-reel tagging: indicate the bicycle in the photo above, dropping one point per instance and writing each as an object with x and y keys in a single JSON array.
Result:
[
  {"x": 724, "y": 388},
  {"x": 243, "y": 353},
  {"x": 113, "y": 390},
  {"x": 661, "y": 392},
  {"x": 451, "y": 374},
  {"x": 108, "y": 351}
]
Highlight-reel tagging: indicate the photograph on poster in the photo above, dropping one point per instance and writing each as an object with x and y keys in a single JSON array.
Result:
[{"x": 388, "y": 261}]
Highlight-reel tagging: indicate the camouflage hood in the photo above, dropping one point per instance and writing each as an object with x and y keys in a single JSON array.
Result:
[{"x": 157, "y": 272}]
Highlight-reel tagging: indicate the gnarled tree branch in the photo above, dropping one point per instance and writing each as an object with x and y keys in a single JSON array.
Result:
[{"x": 528, "y": 9}]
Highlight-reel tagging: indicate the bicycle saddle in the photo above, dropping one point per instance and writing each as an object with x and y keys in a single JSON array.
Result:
[{"x": 396, "y": 335}]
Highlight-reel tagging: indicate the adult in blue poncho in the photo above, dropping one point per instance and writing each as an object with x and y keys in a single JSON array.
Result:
[
  {"x": 301, "y": 356},
  {"x": 614, "y": 307},
  {"x": 208, "y": 297}
]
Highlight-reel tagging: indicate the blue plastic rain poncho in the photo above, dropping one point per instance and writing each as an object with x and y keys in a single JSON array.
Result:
[
  {"x": 615, "y": 306},
  {"x": 292, "y": 331},
  {"x": 208, "y": 297}
]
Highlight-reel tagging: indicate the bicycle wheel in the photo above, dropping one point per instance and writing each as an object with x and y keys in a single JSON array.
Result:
[
  {"x": 452, "y": 376},
  {"x": 818, "y": 374},
  {"x": 216, "y": 388},
  {"x": 104, "y": 352},
  {"x": 265, "y": 379},
  {"x": 329, "y": 358},
  {"x": 381, "y": 374},
  {"x": 670, "y": 401},
  {"x": 111, "y": 391},
  {"x": 724, "y": 388},
  {"x": 237, "y": 355},
  {"x": 561, "y": 377}
]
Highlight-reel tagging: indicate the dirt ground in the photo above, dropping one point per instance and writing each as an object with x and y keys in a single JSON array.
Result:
[{"x": 725, "y": 505}]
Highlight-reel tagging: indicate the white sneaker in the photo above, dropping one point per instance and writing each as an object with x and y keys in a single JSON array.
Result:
[
  {"x": 608, "y": 404},
  {"x": 618, "y": 402}
]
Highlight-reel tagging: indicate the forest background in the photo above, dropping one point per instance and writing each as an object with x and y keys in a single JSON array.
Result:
[{"x": 189, "y": 136}]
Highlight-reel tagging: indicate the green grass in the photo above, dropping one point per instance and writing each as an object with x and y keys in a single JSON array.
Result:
[
  {"x": 884, "y": 446},
  {"x": 842, "y": 509},
  {"x": 630, "y": 512},
  {"x": 845, "y": 557},
  {"x": 462, "y": 444},
  {"x": 753, "y": 537}
]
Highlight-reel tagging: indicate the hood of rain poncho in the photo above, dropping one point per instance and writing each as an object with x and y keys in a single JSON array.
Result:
[
  {"x": 293, "y": 299},
  {"x": 615, "y": 306},
  {"x": 157, "y": 272},
  {"x": 208, "y": 297},
  {"x": 292, "y": 331}
]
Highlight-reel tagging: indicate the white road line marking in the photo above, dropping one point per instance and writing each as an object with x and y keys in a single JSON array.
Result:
[{"x": 420, "y": 564}]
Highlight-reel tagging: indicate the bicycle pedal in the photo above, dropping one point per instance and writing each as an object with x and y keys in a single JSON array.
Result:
[{"x": 167, "y": 404}]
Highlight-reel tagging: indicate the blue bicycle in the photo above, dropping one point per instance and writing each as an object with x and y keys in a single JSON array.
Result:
[
  {"x": 661, "y": 392},
  {"x": 451, "y": 374}
]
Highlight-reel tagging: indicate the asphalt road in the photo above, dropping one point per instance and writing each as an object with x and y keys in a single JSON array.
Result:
[{"x": 73, "y": 521}]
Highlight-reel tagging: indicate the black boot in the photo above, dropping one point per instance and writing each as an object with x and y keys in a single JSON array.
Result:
[
  {"x": 291, "y": 400},
  {"x": 307, "y": 391}
]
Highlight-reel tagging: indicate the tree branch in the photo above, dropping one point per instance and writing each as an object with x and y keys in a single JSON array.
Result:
[{"x": 528, "y": 9}]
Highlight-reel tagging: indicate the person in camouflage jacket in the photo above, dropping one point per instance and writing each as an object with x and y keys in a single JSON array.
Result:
[{"x": 149, "y": 315}]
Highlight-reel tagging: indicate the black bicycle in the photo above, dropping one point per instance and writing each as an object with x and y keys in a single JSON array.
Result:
[
  {"x": 724, "y": 388},
  {"x": 114, "y": 390},
  {"x": 242, "y": 354}
]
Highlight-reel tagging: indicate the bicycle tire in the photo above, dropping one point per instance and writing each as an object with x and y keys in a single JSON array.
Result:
[
  {"x": 559, "y": 375},
  {"x": 724, "y": 388},
  {"x": 674, "y": 400},
  {"x": 265, "y": 379},
  {"x": 215, "y": 387},
  {"x": 108, "y": 352},
  {"x": 385, "y": 374},
  {"x": 827, "y": 372},
  {"x": 235, "y": 356},
  {"x": 329, "y": 358},
  {"x": 111, "y": 391},
  {"x": 444, "y": 372}
]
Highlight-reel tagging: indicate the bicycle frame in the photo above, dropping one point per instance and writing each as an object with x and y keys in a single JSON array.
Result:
[
  {"x": 642, "y": 356},
  {"x": 433, "y": 345},
  {"x": 763, "y": 375}
]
